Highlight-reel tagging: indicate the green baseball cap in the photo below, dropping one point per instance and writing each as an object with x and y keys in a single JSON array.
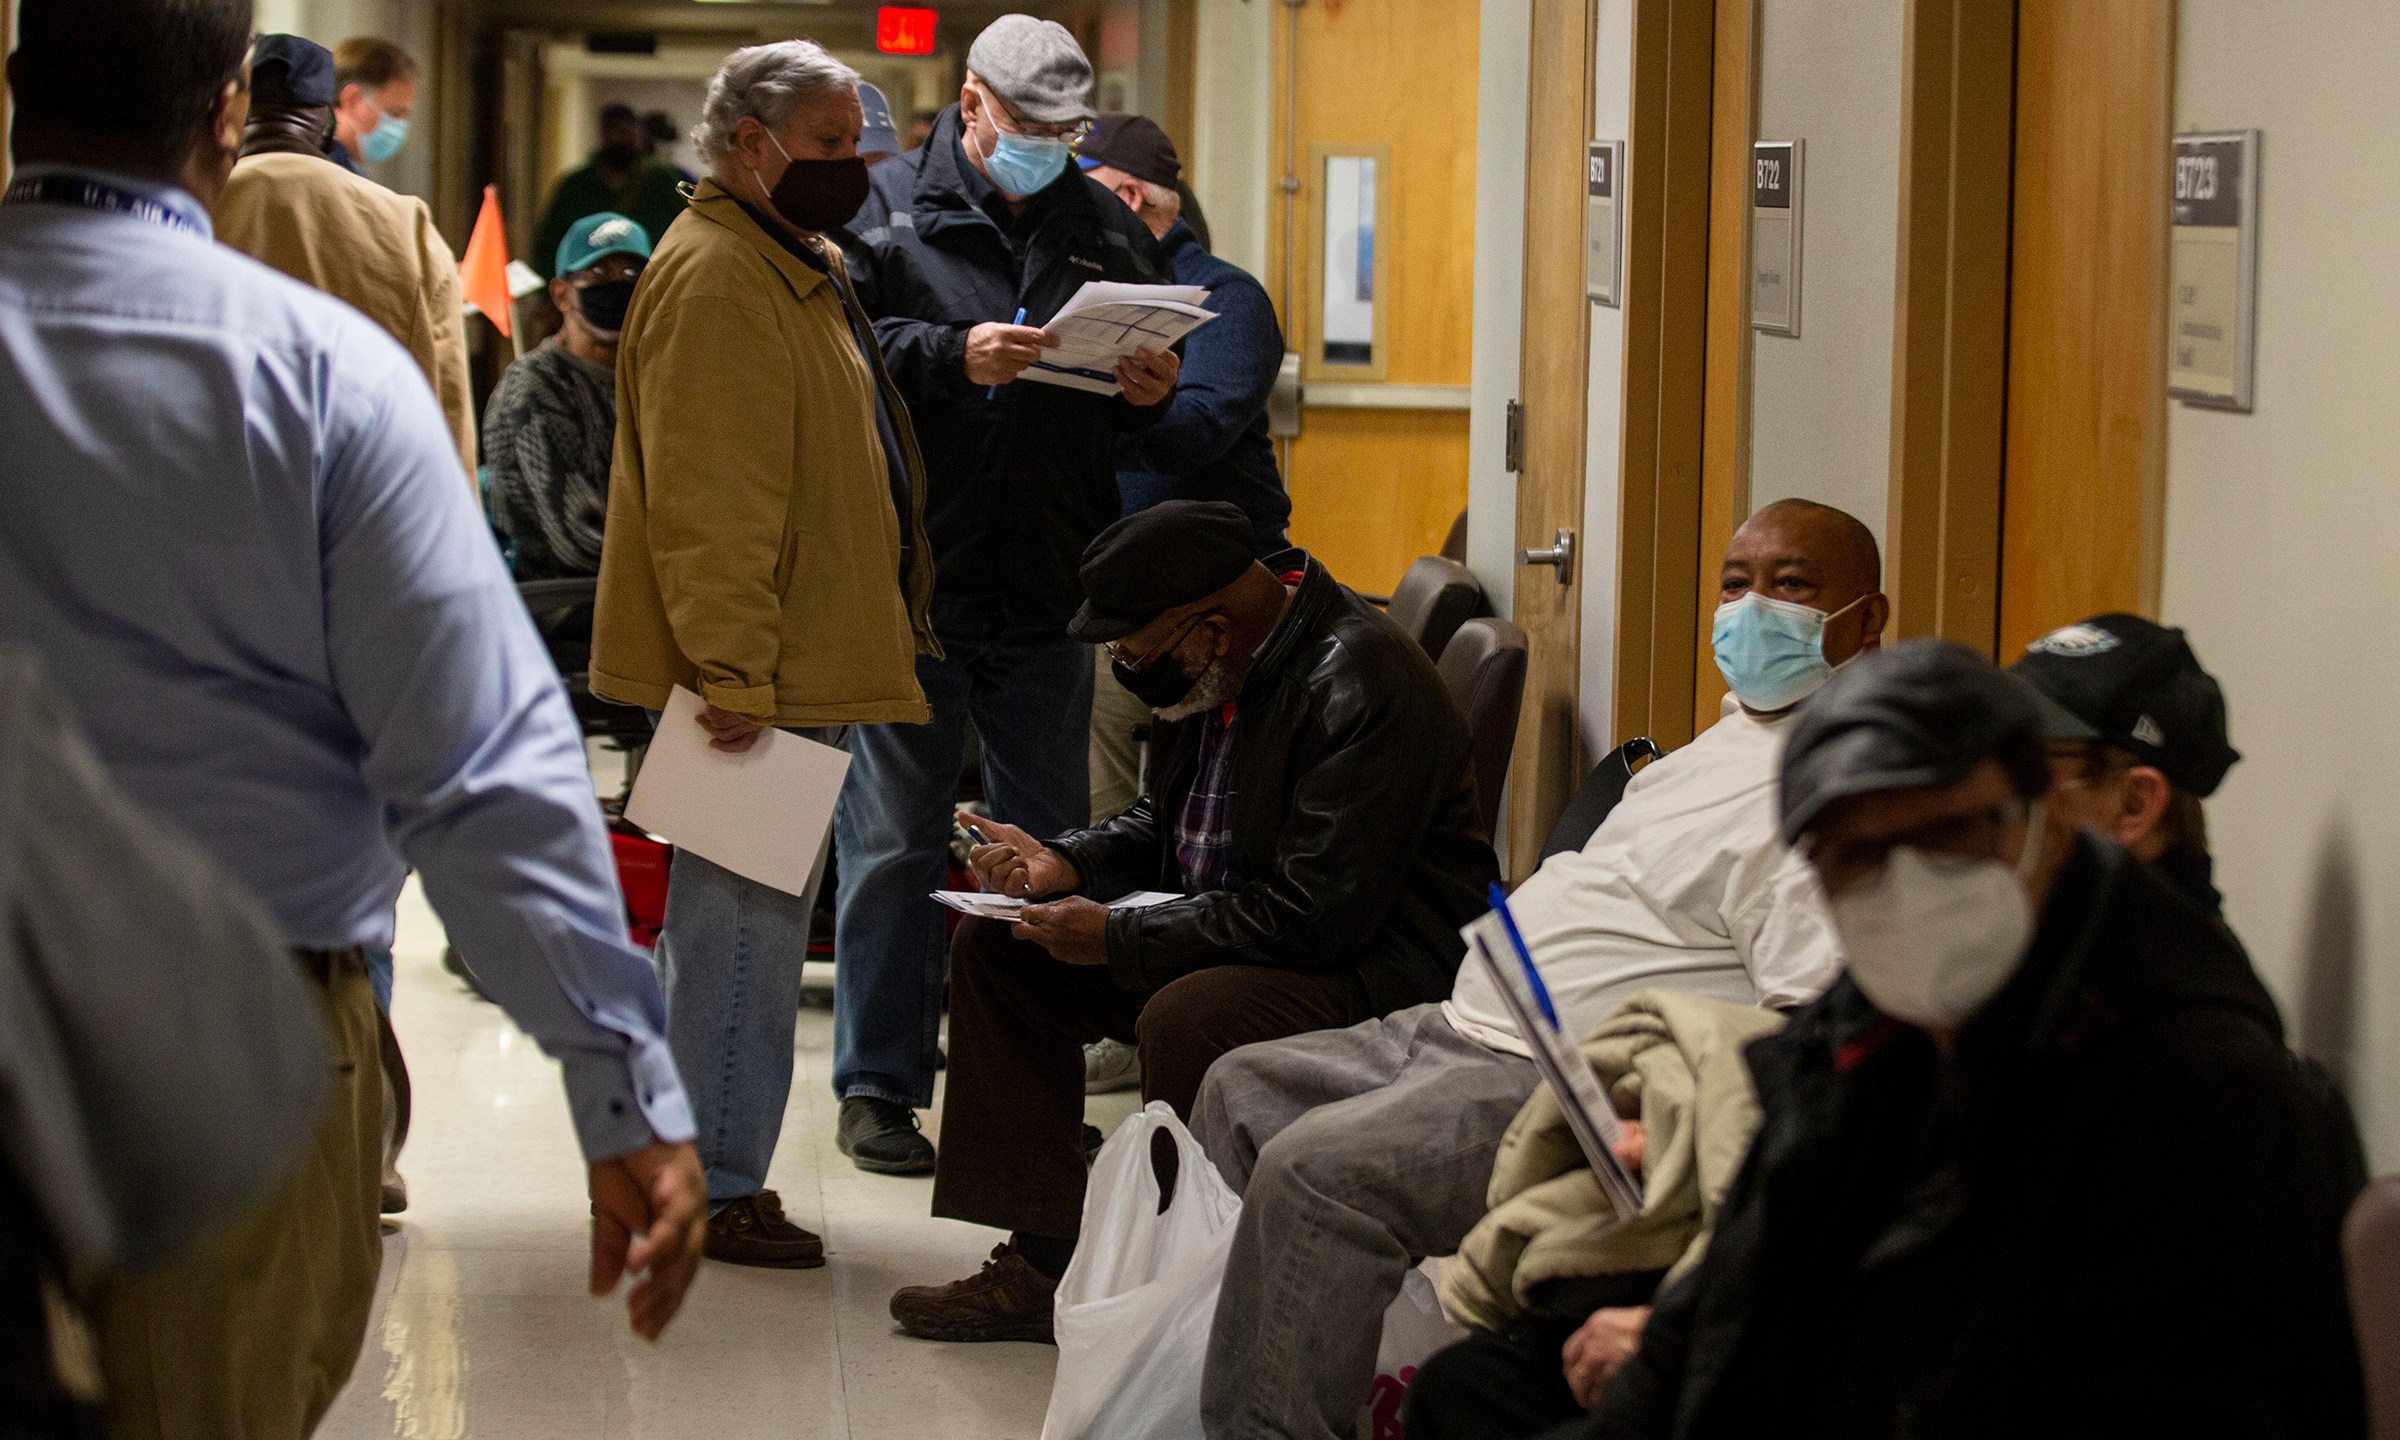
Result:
[{"x": 596, "y": 237}]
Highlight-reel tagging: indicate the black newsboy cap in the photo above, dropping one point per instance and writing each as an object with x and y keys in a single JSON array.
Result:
[
  {"x": 1923, "y": 712},
  {"x": 1153, "y": 560},
  {"x": 292, "y": 71}
]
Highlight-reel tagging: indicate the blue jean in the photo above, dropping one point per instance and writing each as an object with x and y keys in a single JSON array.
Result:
[
  {"x": 729, "y": 959},
  {"x": 1029, "y": 691}
]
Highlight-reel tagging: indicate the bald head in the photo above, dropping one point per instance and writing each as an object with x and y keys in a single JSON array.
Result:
[{"x": 1814, "y": 555}]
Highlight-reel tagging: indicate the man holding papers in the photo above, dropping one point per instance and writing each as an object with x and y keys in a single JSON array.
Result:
[
  {"x": 1362, "y": 1151},
  {"x": 965, "y": 248},
  {"x": 1313, "y": 812}
]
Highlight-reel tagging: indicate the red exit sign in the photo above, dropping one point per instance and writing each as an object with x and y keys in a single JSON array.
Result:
[{"x": 905, "y": 30}]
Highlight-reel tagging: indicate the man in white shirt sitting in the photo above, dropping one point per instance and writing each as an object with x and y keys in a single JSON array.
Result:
[{"x": 1362, "y": 1151}]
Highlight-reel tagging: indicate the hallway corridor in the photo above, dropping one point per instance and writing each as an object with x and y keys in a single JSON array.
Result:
[{"x": 482, "y": 1326}]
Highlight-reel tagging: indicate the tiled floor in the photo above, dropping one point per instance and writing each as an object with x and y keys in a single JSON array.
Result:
[{"x": 482, "y": 1326}]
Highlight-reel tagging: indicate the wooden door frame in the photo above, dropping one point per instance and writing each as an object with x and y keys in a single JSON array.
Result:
[
  {"x": 1725, "y": 418},
  {"x": 1950, "y": 320},
  {"x": 1668, "y": 264},
  {"x": 1555, "y": 389}
]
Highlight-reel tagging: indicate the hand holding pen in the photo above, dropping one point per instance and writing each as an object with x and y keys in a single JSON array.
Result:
[
  {"x": 998, "y": 354},
  {"x": 1009, "y": 862}
]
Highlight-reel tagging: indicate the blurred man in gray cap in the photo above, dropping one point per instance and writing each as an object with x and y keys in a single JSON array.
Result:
[
  {"x": 965, "y": 248},
  {"x": 2041, "y": 1162},
  {"x": 877, "y": 141},
  {"x": 1315, "y": 814}
]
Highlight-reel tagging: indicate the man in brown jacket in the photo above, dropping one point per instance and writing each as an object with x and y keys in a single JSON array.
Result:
[
  {"x": 290, "y": 206},
  {"x": 766, "y": 549}
]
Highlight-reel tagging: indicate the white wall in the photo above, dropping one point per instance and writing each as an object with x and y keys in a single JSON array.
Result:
[
  {"x": 1233, "y": 80},
  {"x": 1612, "y": 117},
  {"x": 1821, "y": 412},
  {"x": 2282, "y": 525},
  {"x": 1502, "y": 67}
]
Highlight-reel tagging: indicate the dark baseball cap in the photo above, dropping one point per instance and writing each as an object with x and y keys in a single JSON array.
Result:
[
  {"x": 2135, "y": 685},
  {"x": 1916, "y": 714},
  {"x": 291, "y": 71},
  {"x": 1133, "y": 144},
  {"x": 1153, "y": 560}
]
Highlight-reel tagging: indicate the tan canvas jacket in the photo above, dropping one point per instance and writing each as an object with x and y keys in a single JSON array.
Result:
[
  {"x": 752, "y": 552},
  {"x": 366, "y": 246}
]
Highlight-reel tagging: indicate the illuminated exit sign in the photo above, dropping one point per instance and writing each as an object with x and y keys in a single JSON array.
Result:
[{"x": 905, "y": 30}]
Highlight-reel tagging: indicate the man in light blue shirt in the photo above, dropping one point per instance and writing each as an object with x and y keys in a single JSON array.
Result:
[{"x": 235, "y": 531}]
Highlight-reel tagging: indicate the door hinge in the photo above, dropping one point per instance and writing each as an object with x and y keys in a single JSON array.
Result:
[{"x": 1514, "y": 447}]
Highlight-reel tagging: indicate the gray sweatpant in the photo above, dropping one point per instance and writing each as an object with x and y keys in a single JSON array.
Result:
[{"x": 1358, "y": 1153}]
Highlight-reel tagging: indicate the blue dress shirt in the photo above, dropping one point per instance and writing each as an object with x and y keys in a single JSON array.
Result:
[{"x": 231, "y": 520}]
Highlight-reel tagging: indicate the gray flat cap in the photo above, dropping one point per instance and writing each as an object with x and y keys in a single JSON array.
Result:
[
  {"x": 1923, "y": 712},
  {"x": 1037, "y": 67}
]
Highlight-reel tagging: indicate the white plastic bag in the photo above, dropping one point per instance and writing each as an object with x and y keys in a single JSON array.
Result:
[
  {"x": 1414, "y": 1328},
  {"x": 1135, "y": 1306}
]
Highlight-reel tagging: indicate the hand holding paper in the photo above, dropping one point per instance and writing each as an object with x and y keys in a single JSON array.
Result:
[
  {"x": 762, "y": 812},
  {"x": 1104, "y": 323}
]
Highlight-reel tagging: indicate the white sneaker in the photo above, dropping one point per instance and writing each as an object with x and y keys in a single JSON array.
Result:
[{"x": 1111, "y": 1065}]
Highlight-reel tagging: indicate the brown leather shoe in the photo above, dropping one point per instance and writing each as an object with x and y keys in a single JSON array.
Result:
[
  {"x": 752, "y": 1231},
  {"x": 1006, "y": 1300}
]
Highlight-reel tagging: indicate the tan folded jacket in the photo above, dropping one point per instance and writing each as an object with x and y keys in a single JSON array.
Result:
[{"x": 1674, "y": 1059}]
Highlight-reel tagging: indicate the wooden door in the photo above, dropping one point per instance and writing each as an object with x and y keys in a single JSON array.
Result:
[
  {"x": 2086, "y": 430},
  {"x": 1379, "y": 470},
  {"x": 1553, "y": 385}
]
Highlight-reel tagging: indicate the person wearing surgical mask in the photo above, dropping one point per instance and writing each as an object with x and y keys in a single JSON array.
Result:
[
  {"x": 1311, "y": 828},
  {"x": 766, "y": 551},
  {"x": 375, "y": 101},
  {"x": 964, "y": 250},
  {"x": 550, "y": 428},
  {"x": 1795, "y": 599},
  {"x": 2041, "y": 1163}
]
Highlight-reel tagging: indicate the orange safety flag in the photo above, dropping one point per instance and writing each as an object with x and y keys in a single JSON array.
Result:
[{"x": 483, "y": 273}]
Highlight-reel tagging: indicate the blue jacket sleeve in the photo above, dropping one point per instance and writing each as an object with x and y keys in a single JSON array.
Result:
[
  {"x": 469, "y": 741},
  {"x": 1229, "y": 366}
]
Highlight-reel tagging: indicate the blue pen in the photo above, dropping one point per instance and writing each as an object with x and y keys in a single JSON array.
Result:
[
  {"x": 994, "y": 392},
  {"x": 1541, "y": 992}
]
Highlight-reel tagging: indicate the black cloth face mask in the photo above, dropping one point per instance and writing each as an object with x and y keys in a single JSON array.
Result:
[
  {"x": 817, "y": 195},
  {"x": 603, "y": 304},
  {"x": 1161, "y": 684}
]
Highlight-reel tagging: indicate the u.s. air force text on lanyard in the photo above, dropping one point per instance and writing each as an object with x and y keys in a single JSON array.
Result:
[{"x": 89, "y": 194}]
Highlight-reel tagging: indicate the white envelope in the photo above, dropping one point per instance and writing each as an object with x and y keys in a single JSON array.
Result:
[{"x": 763, "y": 814}]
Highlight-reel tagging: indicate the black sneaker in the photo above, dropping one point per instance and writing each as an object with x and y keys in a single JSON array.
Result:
[{"x": 881, "y": 1138}]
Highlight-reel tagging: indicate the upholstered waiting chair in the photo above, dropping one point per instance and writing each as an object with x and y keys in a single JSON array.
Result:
[
  {"x": 1597, "y": 795},
  {"x": 2372, "y": 1241},
  {"x": 1484, "y": 667},
  {"x": 1434, "y": 598}
]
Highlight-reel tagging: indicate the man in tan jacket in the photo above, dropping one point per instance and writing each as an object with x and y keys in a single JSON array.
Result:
[
  {"x": 290, "y": 206},
  {"x": 766, "y": 549}
]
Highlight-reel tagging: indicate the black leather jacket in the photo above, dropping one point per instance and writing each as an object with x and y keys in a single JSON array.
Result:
[{"x": 1355, "y": 830}]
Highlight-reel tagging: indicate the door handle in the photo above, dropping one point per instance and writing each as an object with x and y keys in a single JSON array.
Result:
[{"x": 1561, "y": 554}]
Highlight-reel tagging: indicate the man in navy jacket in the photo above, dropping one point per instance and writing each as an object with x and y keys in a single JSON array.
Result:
[{"x": 1210, "y": 444}]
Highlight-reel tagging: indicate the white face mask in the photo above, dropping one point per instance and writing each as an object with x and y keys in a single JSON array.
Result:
[{"x": 1933, "y": 937}]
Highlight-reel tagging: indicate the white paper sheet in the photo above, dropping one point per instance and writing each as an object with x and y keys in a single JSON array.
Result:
[
  {"x": 1003, "y": 907},
  {"x": 1103, "y": 323},
  {"x": 763, "y": 814}
]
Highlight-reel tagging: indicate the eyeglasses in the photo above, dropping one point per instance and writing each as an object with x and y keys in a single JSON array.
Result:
[
  {"x": 1117, "y": 652},
  {"x": 1074, "y": 132},
  {"x": 1976, "y": 835}
]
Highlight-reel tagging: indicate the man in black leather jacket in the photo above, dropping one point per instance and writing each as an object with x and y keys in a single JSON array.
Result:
[
  {"x": 2070, "y": 1183},
  {"x": 1312, "y": 806}
]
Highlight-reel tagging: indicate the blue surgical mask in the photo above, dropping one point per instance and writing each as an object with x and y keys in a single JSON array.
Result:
[
  {"x": 1021, "y": 164},
  {"x": 1771, "y": 652},
  {"x": 384, "y": 141}
]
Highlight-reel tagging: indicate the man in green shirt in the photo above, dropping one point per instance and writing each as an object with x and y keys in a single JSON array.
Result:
[{"x": 619, "y": 179}]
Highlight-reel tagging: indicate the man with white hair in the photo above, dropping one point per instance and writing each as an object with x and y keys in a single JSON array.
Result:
[
  {"x": 765, "y": 548},
  {"x": 965, "y": 247}
]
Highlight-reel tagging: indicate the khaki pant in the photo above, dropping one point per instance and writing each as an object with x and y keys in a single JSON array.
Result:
[
  {"x": 1116, "y": 755},
  {"x": 254, "y": 1334}
]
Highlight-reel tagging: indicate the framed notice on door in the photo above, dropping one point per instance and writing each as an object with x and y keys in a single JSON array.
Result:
[
  {"x": 2214, "y": 269},
  {"x": 1775, "y": 236},
  {"x": 1603, "y": 229}
]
